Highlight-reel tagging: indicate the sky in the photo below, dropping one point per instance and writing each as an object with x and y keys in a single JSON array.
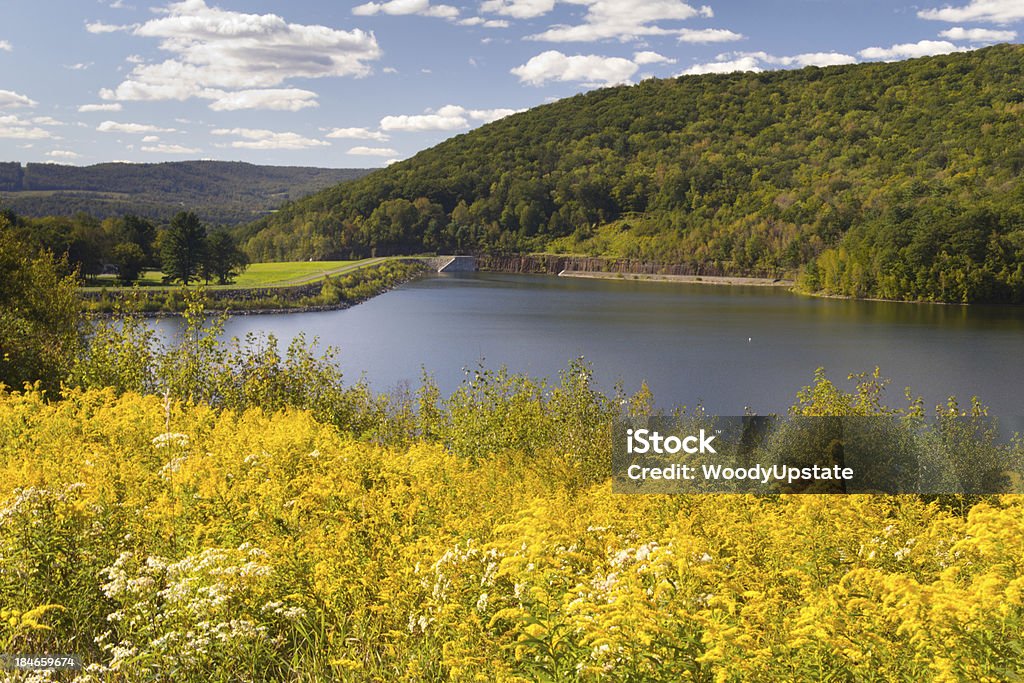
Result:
[{"x": 349, "y": 84}]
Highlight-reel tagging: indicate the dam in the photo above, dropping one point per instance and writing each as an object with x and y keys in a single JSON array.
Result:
[{"x": 456, "y": 264}]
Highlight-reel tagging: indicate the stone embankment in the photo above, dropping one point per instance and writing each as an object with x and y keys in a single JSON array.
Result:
[{"x": 455, "y": 264}]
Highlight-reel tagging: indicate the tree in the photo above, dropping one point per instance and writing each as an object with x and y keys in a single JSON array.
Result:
[
  {"x": 183, "y": 247},
  {"x": 40, "y": 315},
  {"x": 129, "y": 259},
  {"x": 224, "y": 260},
  {"x": 140, "y": 231}
]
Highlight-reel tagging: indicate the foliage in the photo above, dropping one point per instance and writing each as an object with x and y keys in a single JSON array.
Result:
[
  {"x": 139, "y": 231},
  {"x": 39, "y": 315},
  {"x": 367, "y": 282},
  {"x": 899, "y": 180},
  {"x": 197, "y": 366},
  {"x": 90, "y": 246},
  {"x": 130, "y": 259},
  {"x": 183, "y": 248},
  {"x": 500, "y": 413},
  {"x": 223, "y": 261},
  {"x": 163, "y": 539}
]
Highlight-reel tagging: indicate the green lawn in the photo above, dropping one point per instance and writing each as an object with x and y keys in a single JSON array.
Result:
[{"x": 264, "y": 274}]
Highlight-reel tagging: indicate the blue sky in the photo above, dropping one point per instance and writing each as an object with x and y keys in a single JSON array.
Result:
[{"x": 348, "y": 84}]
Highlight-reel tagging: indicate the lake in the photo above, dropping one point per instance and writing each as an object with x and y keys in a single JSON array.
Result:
[{"x": 728, "y": 348}]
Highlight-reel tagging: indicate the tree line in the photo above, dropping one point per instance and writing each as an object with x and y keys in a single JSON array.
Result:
[
  {"x": 223, "y": 192},
  {"x": 184, "y": 249}
]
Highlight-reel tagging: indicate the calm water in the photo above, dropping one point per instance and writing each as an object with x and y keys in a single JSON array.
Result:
[{"x": 689, "y": 342}]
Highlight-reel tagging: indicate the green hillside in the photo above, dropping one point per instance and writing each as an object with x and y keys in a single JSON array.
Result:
[
  {"x": 898, "y": 180},
  {"x": 218, "y": 191}
]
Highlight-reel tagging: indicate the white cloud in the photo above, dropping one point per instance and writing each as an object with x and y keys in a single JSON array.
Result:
[
  {"x": 132, "y": 128},
  {"x": 978, "y": 35},
  {"x": 388, "y": 162},
  {"x": 648, "y": 57},
  {"x": 800, "y": 60},
  {"x": 403, "y": 7},
  {"x": 818, "y": 59},
  {"x": 373, "y": 151},
  {"x": 280, "y": 99},
  {"x": 237, "y": 60},
  {"x": 151, "y": 138},
  {"x": 5, "y": 46},
  {"x": 268, "y": 139},
  {"x": 480, "y": 21},
  {"x": 10, "y": 99},
  {"x": 491, "y": 115},
  {"x": 169, "y": 149},
  {"x": 100, "y": 27},
  {"x": 589, "y": 69},
  {"x": 922, "y": 48},
  {"x": 730, "y": 62},
  {"x": 725, "y": 67},
  {"x": 622, "y": 20},
  {"x": 389, "y": 70},
  {"x": 707, "y": 35},
  {"x": 114, "y": 106},
  {"x": 80, "y": 66},
  {"x": 518, "y": 9},
  {"x": 46, "y": 121},
  {"x": 63, "y": 154},
  {"x": 448, "y": 117},
  {"x": 995, "y": 11},
  {"x": 358, "y": 134},
  {"x": 625, "y": 20},
  {"x": 12, "y": 127}
]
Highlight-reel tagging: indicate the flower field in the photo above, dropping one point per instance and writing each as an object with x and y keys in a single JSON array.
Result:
[{"x": 166, "y": 541}]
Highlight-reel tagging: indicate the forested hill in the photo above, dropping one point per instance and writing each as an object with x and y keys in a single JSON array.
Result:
[
  {"x": 218, "y": 191},
  {"x": 898, "y": 180}
]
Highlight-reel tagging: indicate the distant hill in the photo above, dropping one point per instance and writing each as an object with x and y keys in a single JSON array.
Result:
[
  {"x": 895, "y": 180},
  {"x": 226, "y": 192}
]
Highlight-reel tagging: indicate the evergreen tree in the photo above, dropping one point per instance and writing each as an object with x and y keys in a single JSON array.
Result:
[{"x": 183, "y": 248}]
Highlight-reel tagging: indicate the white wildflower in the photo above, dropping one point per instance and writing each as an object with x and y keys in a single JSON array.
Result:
[
  {"x": 292, "y": 613},
  {"x": 171, "y": 439}
]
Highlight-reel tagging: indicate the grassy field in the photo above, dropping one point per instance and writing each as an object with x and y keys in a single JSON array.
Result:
[{"x": 261, "y": 274}]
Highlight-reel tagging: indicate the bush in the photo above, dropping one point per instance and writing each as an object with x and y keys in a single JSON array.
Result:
[{"x": 39, "y": 315}]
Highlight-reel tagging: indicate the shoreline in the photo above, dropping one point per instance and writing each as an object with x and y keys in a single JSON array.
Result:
[
  {"x": 246, "y": 311},
  {"x": 741, "y": 281},
  {"x": 845, "y": 297},
  {"x": 726, "y": 280},
  {"x": 305, "y": 298}
]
